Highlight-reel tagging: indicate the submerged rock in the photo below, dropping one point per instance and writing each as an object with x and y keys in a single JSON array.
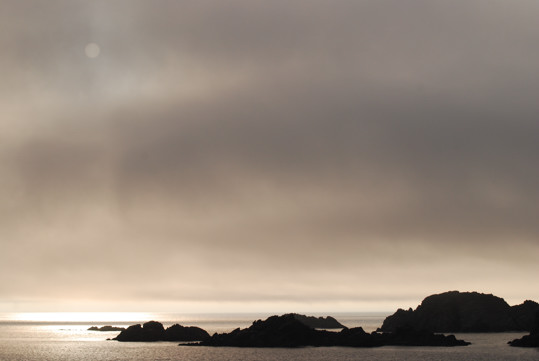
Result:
[
  {"x": 288, "y": 331},
  {"x": 154, "y": 331},
  {"x": 464, "y": 312},
  {"x": 106, "y": 328}
]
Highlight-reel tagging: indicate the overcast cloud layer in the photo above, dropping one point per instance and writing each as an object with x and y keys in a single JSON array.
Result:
[{"x": 233, "y": 155}]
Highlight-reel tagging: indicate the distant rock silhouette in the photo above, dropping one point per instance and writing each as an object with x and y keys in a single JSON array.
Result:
[
  {"x": 154, "y": 331},
  {"x": 408, "y": 336},
  {"x": 106, "y": 328},
  {"x": 318, "y": 322},
  {"x": 464, "y": 312},
  {"x": 524, "y": 315},
  {"x": 182, "y": 333},
  {"x": 288, "y": 331},
  {"x": 531, "y": 340}
]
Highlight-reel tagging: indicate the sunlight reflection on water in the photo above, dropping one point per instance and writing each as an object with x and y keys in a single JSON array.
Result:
[{"x": 78, "y": 316}]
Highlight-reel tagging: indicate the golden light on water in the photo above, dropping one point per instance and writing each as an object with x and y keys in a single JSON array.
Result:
[{"x": 82, "y": 316}]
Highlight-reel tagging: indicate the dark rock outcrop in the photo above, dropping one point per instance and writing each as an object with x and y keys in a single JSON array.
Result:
[
  {"x": 288, "y": 331},
  {"x": 406, "y": 336},
  {"x": 154, "y": 331},
  {"x": 524, "y": 314},
  {"x": 318, "y": 322},
  {"x": 183, "y": 333},
  {"x": 283, "y": 331},
  {"x": 531, "y": 340},
  {"x": 106, "y": 328},
  {"x": 464, "y": 312}
]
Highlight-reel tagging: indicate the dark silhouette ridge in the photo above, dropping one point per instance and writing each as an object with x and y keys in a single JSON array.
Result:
[
  {"x": 531, "y": 340},
  {"x": 464, "y": 312},
  {"x": 524, "y": 314},
  {"x": 106, "y": 328},
  {"x": 327, "y": 322},
  {"x": 154, "y": 331},
  {"x": 288, "y": 331}
]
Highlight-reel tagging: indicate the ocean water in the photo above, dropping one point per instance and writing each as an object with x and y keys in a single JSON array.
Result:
[{"x": 57, "y": 337}]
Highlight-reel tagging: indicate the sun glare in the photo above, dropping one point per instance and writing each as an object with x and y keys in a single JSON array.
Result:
[
  {"x": 82, "y": 316},
  {"x": 92, "y": 50}
]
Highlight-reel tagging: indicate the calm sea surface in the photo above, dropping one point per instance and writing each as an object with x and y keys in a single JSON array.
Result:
[{"x": 38, "y": 337}]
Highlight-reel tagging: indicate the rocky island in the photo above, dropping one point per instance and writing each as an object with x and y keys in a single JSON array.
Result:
[
  {"x": 464, "y": 312},
  {"x": 106, "y": 328},
  {"x": 154, "y": 331},
  {"x": 531, "y": 340},
  {"x": 288, "y": 331}
]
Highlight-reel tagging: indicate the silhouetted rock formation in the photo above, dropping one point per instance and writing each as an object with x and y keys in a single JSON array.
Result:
[
  {"x": 464, "y": 312},
  {"x": 154, "y": 331},
  {"x": 288, "y": 331},
  {"x": 524, "y": 314},
  {"x": 531, "y": 340},
  {"x": 318, "y": 322},
  {"x": 407, "y": 336},
  {"x": 106, "y": 328},
  {"x": 182, "y": 333}
]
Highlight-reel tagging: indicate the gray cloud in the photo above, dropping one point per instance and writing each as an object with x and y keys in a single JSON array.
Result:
[{"x": 254, "y": 151}]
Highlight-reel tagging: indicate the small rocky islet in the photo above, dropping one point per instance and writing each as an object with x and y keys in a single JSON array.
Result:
[
  {"x": 106, "y": 328},
  {"x": 154, "y": 331}
]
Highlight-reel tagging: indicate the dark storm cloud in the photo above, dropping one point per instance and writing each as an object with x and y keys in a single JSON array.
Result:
[{"x": 253, "y": 141}]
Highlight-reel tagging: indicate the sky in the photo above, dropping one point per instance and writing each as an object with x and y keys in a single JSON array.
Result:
[{"x": 226, "y": 156}]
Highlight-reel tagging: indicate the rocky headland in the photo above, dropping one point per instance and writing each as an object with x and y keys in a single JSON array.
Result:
[
  {"x": 531, "y": 340},
  {"x": 154, "y": 331},
  {"x": 288, "y": 331},
  {"x": 464, "y": 312}
]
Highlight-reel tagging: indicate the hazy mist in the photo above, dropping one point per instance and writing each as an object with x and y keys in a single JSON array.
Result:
[{"x": 283, "y": 155}]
